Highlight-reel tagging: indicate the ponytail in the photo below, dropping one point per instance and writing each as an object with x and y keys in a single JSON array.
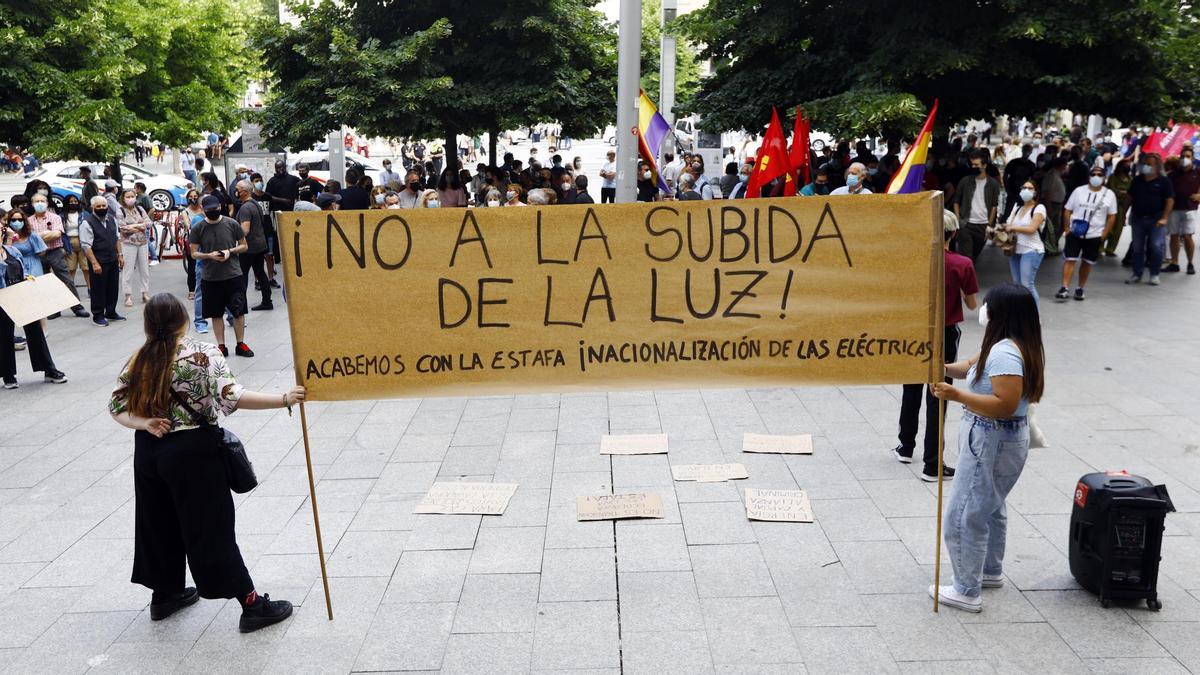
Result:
[{"x": 150, "y": 369}]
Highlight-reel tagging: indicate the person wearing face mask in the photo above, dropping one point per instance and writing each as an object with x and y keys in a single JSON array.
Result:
[
  {"x": 304, "y": 181},
  {"x": 429, "y": 200},
  {"x": 100, "y": 239},
  {"x": 72, "y": 214},
  {"x": 191, "y": 214},
  {"x": 738, "y": 191},
  {"x": 856, "y": 174},
  {"x": 730, "y": 180},
  {"x": 976, "y": 200},
  {"x": 1181, "y": 225},
  {"x": 647, "y": 191},
  {"x": 252, "y": 219},
  {"x": 218, "y": 240},
  {"x": 134, "y": 222},
  {"x": 961, "y": 287},
  {"x": 1038, "y": 147},
  {"x": 492, "y": 200},
  {"x": 566, "y": 189},
  {"x": 12, "y": 271},
  {"x": 1090, "y": 213},
  {"x": 513, "y": 195},
  {"x": 378, "y": 197},
  {"x": 387, "y": 176},
  {"x": 450, "y": 190},
  {"x": 608, "y": 179},
  {"x": 410, "y": 196},
  {"x": 49, "y": 226},
  {"x": 1151, "y": 200},
  {"x": 819, "y": 185},
  {"x": 1026, "y": 220},
  {"x": 687, "y": 188}
]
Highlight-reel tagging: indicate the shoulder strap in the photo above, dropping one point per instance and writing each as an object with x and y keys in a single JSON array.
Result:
[{"x": 196, "y": 417}]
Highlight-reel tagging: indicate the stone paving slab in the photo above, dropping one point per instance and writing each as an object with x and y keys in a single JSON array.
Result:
[{"x": 702, "y": 590}]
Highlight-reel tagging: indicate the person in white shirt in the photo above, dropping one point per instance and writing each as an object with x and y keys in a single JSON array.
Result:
[
  {"x": 608, "y": 179},
  {"x": 856, "y": 176},
  {"x": 1026, "y": 221},
  {"x": 670, "y": 172},
  {"x": 1090, "y": 212}
]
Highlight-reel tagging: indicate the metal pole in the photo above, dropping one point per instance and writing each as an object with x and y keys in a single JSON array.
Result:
[
  {"x": 666, "y": 70},
  {"x": 628, "y": 77},
  {"x": 337, "y": 156}
]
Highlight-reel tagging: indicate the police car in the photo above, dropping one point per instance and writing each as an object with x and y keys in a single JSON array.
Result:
[{"x": 166, "y": 192}]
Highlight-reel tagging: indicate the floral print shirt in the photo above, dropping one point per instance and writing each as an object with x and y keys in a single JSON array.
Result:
[{"x": 201, "y": 376}]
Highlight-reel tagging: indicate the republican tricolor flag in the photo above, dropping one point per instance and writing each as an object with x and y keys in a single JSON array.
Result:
[
  {"x": 910, "y": 177},
  {"x": 652, "y": 129}
]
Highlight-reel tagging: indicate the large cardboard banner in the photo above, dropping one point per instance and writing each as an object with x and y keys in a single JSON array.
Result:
[{"x": 764, "y": 292}]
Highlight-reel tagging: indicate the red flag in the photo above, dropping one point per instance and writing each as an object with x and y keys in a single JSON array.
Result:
[
  {"x": 772, "y": 161},
  {"x": 798, "y": 155}
]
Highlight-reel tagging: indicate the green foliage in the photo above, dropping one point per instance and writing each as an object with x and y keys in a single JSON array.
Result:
[
  {"x": 1129, "y": 59},
  {"x": 86, "y": 76},
  {"x": 428, "y": 68},
  {"x": 859, "y": 113},
  {"x": 687, "y": 67}
]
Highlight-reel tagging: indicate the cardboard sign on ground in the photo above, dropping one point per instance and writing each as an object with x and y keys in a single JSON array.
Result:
[
  {"x": 784, "y": 445},
  {"x": 791, "y": 506},
  {"x": 35, "y": 299},
  {"x": 618, "y": 507},
  {"x": 634, "y": 444},
  {"x": 488, "y": 499},
  {"x": 708, "y": 473}
]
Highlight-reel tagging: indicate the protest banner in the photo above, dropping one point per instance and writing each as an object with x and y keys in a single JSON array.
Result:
[
  {"x": 35, "y": 299},
  {"x": 765, "y": 292}
]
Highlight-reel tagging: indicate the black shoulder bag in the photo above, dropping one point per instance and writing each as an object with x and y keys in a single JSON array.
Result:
[{"x": 238, "y": 468}]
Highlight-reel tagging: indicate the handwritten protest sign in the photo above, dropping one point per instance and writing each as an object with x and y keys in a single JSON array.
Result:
[
  {"x": 785, "y": 445},
  {"x": 634, "y": 444},
  {"x": 781, "y": 505},
  {"x": 708, "y": 473},
  {"x": 489, "y": 499},
  {"x": 35, "y": 299},
  {"x": 618, "y": 507},
  {"x": 755, "y": 292}
]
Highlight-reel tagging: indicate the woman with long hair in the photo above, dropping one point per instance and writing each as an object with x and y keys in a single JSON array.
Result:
[
  {"x": 171, "y": 393},
  {"x": 450, "y": 191},
  {"x": 379, "y": 195},
  {"x": 12, "y": 271},
  {"x": 1003, "y": 379},
  {"x": 1027, "y": 220}
]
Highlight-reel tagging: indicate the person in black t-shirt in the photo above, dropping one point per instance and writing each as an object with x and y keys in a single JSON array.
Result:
[{"x": 1151, "y": 198}]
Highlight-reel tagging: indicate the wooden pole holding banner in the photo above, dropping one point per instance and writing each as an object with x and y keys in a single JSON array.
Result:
[
  {"x": 312, "y": 495},
  {"x": 938, "y": 369},
  {"x": 284, "y": 263}
]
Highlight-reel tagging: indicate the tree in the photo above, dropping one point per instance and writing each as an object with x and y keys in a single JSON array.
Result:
[
  {"x": 94, "y": 74},
  {"x": 687, "y": 67},
  {"x": 1132, "y": 60},
  {"x": 425, "y": 68}
]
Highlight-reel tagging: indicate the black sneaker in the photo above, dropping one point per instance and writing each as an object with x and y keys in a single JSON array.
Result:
[
  {"x": 929, "y": 475},
  {"x": 1173, "y": 267},
  {"x": 10, "y": 383},
  {"x": 173, "y": 603},
  {"x": 224, "y": 351},
  {"x": 1079, "y": 294},
  {"x": 56, "y": 315},
  {"x": 114, "y": 317},
  {"x": 1110, "y": 254},
  {"x": 902, "y": 454},
  {"x": 242, "y": 349},
  {"x": 263, "y": 613},
  {"x": 262, "y": 306},
  {"x": 99, "y": 320},
  {"x": 80, "y": 312},
  {"x": 55, "y": 377},
  {"x": 1191, "y": 268},
  {"x": 1062, "y": 293},
  {"x": 274, "y": 284}
]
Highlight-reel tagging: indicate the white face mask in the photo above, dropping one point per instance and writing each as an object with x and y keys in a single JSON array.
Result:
[
  {"x": 983, "y": 315},
  {"x": 646, "y": 175},
  {"x": 1096, "y": 181},
  {"x": 509, "y": 195},
  {"x": 393, "y": 206},
  {"x": 1186, "y": 162},
  {"x": 379, "y": 198},
  {"x": 493, "y": 203},
  {"x": 433, "y": 204}
]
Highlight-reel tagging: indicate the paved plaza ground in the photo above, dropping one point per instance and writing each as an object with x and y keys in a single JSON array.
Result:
[{"x": 702, "y": 590}]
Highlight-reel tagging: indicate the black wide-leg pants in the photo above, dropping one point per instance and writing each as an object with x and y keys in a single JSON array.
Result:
[{"x": 184, "y": 511}]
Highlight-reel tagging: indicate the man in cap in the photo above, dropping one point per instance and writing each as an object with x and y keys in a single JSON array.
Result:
[
  {"x": 328, "y": 201},
  {"x": 217, "y": 239}
]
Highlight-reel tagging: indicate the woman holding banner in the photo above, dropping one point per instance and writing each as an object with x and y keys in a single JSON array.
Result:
[
  {"x": 12, "y": 271},
  {"x": 1003, "y": 379},
  {"x": 171, "y": 392}
]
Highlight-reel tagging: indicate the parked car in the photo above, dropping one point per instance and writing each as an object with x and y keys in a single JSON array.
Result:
[
  {"x": 166, "y": 192},
  {"x": 318, "y": 164}
]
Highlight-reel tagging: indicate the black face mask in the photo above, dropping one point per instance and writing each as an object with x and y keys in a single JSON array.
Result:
[
  {"x": 100, "y": 213},
  {"x": 192, "y": 201},
  {"x": 72, "y": 208},
  {"x": 821, "y": 188},
  {"x": 413, "y": 186},
  {"x": 976, "y": 170},
  {"x": 212, "y": 214},
  {"x": 304, "y": 173}
]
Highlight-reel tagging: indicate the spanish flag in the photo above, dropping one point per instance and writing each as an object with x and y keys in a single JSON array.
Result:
[
  {"x": 911, "y": 175},
  {"x": 652, "y": 129}
]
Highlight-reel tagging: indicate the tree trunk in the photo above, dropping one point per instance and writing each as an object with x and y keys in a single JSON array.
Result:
[
  {"x": 493, "y": 140},
  {"x": 451, "y": 161}
]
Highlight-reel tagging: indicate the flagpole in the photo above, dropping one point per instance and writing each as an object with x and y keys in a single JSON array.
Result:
[
  {"x": 629, "y": 41},
  {"x": 939, "y": 369},
  {"x": 312, "y": 495}
]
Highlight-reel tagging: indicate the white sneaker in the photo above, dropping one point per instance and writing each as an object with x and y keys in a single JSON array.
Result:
[
  {"x": 950, "y": 597},
  {"x": 1153, "y": 279},
  {"x": 992, "y": 580}
]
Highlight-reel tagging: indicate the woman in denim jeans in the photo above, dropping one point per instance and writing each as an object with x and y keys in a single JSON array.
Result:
[
  {"x": 1026, "y": 220},
  {"x": 993, "y": 440}
]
